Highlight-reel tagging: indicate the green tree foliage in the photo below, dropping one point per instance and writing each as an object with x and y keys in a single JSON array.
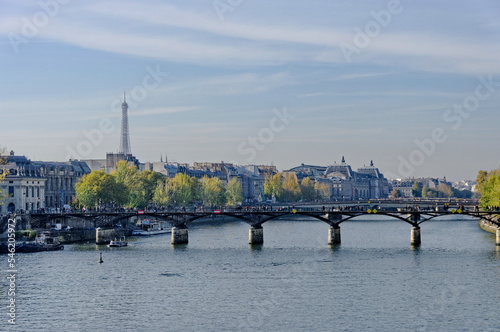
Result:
[
  {"x": 213, "y": 191},
  {"x": 196, "y": 188},
  {"x": 148, "y": 181},
  {"x": 307, "y": 189},
  {"x": 490, "y": 189},
  {"x": 140, "y": 185},
  {"x": 99, "y": 188},
  {"x": 164, "y": 192},
  {"x": 417, "y": 189},
  {"x": 182, "y": 187},
  {"x": 291, "y": 188},
  {"x": 273, "y": 186},
  {"x": 234, "y": 192}
]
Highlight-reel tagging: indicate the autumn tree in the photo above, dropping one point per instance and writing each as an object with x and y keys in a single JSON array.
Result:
[
  {"x": 234, "y": 192},
  {"x": 164, "y": 192},
  {"x": 482, "y": 177},
  {"x": 490, "y": 189},
  {"x": 273, "y": 186},
  {"x": 307, "y": 189},
  {"x": 322, "y": 190},
  {"x": 444, "y": 190},
  {"x": 425, "y": 191},
  {"x": 182, "y": 187},
  {"x": 395, "y": 193},
  {"x": 213, "y": 191},
  {"x": 291, "y": 188}
]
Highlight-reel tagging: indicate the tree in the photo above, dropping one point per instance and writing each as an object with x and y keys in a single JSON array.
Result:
[
  {"x": 425, "y": 191},
  {"x": 195, "y": 188},
  {"x": 128, "y": 175},
  {"x": 212, "y": 191},
  {"x": 490, "y": 195},
  {"x": 482, "y": 177},
  {"x": 395, "y": 193},
  {"x": 307, "y": 189},
  {"x": 99, "y": 188},
  {"x": 417, "y": 189},
  {"x": 291, "y": 188},
  {"x": 140, "y": 185},
  {"x": 444, "y": 190},
  {"x": 182, "y": 187},
  {"x": 322, "y": 190},
  {"x": 234, "y": 192},
  {"x": 164, "y": 192},
  {"x": 148, "y": 181},
  {"x": 273, "y": 186}
]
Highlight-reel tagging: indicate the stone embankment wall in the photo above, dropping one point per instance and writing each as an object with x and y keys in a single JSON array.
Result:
[
  {"x": 76, "y": 236},
  {"x": 487, "y": 226}
]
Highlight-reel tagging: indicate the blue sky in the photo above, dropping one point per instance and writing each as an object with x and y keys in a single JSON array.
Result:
[{"x": 412, "y": 85}]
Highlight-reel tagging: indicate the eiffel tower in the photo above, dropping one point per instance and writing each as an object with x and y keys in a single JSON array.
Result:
[{"x": 125, "y": 138}]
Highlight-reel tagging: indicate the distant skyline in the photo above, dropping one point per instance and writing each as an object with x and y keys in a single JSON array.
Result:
[{"x": 412, "y": 85}]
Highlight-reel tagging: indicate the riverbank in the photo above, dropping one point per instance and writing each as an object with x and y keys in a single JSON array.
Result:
[{"x": 487, "y": 226}]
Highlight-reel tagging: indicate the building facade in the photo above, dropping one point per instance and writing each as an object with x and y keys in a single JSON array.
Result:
[
  {"x": 343, "y": 183},
  {"x": 39, "y": 185}
]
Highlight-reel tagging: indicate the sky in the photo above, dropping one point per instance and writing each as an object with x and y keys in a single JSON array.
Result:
[{"x": 412, "y": 85}]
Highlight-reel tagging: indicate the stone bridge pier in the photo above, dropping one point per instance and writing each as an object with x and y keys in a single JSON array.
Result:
[
  {"x": 415, "y": 234},
  {"x": 256, "y": 235},
  {"x": 334, "y": 235},
  {"x": 334, "y": 230},
  {"x": 179, "y": 235}
]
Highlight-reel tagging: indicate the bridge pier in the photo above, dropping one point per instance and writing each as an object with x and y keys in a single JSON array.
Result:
[
  {"x": 334, "y": 235},
  {"x": 415, "y": 236},
  {"x": 498, "y": 237},
  {"x": 179, "y": 236},
  {"x": 104, "y": 236},
  {"x": 256, "y": 235}
]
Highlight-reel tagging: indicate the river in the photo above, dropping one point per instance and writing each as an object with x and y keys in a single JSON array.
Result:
[{"x": 373, "y": 281}]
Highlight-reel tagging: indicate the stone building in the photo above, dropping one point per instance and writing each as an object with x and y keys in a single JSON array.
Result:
[
  {"x": 33, "y": 185},
  {"x": 23, "y": 188},
  {"x": 344, "y": 183}
]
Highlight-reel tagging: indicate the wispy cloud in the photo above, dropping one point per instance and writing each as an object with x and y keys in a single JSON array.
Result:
[{"x": 167, "y": 32}]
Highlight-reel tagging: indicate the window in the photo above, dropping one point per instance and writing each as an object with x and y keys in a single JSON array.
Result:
[{"x": 11, "y": 191}]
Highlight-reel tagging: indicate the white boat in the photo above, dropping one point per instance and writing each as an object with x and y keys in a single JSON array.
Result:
[
  {"x": 142, "y": 232},
  {"x": 146, "y": 227},
  {"x": 118, "y": 242}
]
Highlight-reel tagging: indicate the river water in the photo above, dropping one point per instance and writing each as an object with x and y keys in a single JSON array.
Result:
[{"x": 373, "y": 281}]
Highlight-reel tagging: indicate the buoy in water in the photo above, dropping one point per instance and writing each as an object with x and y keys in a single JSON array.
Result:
[{"x": 100, "y": 258}]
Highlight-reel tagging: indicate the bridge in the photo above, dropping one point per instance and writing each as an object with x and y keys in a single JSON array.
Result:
[{"x": 334, "y": 217}]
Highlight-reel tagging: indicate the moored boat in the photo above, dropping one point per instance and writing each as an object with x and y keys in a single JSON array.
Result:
[
  {"x": 147, "y": 227},
  {"x": 118, "y": 242},
  {"x": 43, "y": 242}
]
